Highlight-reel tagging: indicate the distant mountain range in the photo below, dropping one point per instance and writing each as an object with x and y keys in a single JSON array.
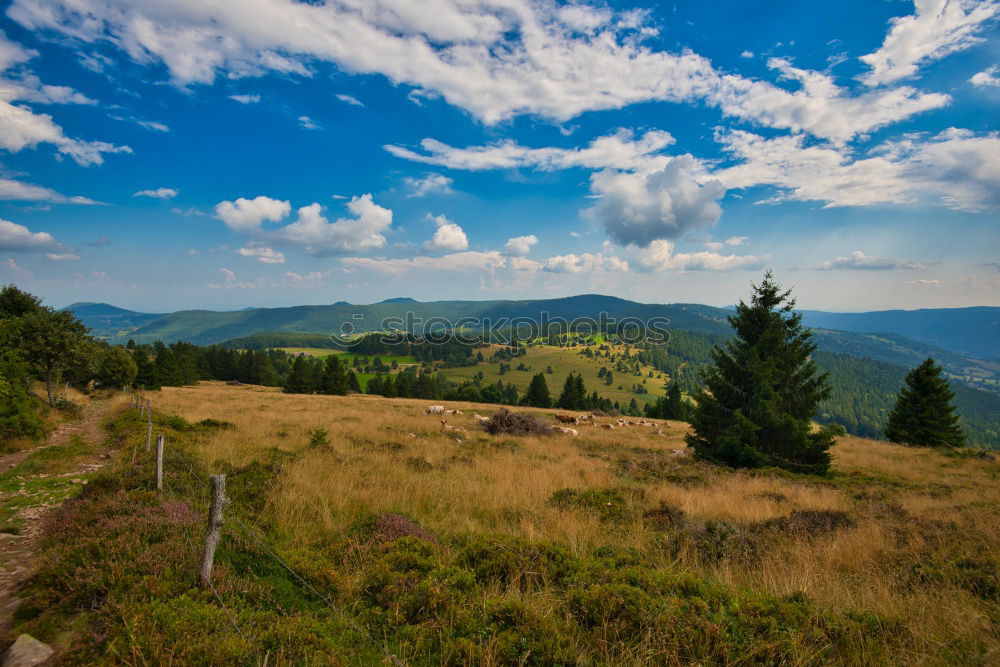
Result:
[{"x": 957, "y": 337}]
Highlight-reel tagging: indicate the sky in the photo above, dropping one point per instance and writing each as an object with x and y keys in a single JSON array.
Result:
[{"x": 174, "y": 154}]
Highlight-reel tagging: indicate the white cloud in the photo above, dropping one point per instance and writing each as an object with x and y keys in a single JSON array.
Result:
[
  {"x": 519, "y": 246},
  {"x": 353, "y": 101},
  {"x": 857, "y": 260},
  {"x": 13, "y": 190},
  {"x": 429, "y": 184},
  {"x": 62, "y": 257},
  {"x": 18, "y": 237},
  {"x": 584, "y": 263},
  {"x": 468, "y": 261},
  {"x": 494, "y": 59},
  {"x": 620, "y": 150},
  {"x": 245, "y": 99},
  {"x": 158, "y": 193},
  {"x": 246, "y": 215},
  {"x": 17, "y": 270},
  {"x": 447, "y": 236},
  {"x": 230, "y": 281},
  {"x": 661, "y": 255},
  {"x": 21, "y": 128},
  {"x": 263, "y": 254},
  {"x": 936, "y": 29},
  {"x": 734, "y": 241},
  {"x": 988, "y": 77},
  {"x": 955, "y": 168},
  {"x": 638, "y": 208},
  {"x": 308, "y": 123},
  {"x": 153, "y": 125},
  {"x": 318, "y": 236},
  {"x": 746, "y": 54},
  {"x": 923, "y": 281}
]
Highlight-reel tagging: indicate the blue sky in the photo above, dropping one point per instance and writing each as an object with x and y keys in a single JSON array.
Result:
[{"x": 171, "y": 154}]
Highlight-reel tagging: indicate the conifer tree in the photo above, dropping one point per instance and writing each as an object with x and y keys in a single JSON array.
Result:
[
  {"x": 759, "y": 397},
  {"x": 538, "y": 393},
  {"x": 574, "y": 394},
  {"x": 924, "y": 414},
  {"x": 352, "y": 382},
  {"x": 334, "y": 377},
  {"x": 300, "y": 379}
]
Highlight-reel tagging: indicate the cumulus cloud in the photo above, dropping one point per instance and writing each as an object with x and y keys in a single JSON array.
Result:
[
  {"x": 638, "y": 208},
  {"x": 988, "y": 77},
  {"x": 447, "y": 236},
  {"x": 247, "y": 215},
  {"x": 318, "y": 236},
  {"x": 519, "y": 246},
  {"x": 496, "y": 60},
  {"x": 230, "y": 281},
  {"x": 19, "y": 238},
  {"x": 158, "y": 193},
  {"x": 263, "y": 254},
  {"x": 245, "y": 99},
  {"x": 857, "y": 260},
  {"x": 620, "y": 150},
  {"x": 936, "y": 29},
  {"x": 14, "y": 190},
  {"x": 429, "y": 184},
  {"x": 62, "y": 256},
  {"x": 349, "y": 99}
]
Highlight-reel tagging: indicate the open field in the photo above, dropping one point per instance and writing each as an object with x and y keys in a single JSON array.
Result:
[
  {"x": 323, "y": 353},
  {"x": 912, "y": 536},
  {"x": 566, "y": 360},
  {"x": 445, "y": 548}
]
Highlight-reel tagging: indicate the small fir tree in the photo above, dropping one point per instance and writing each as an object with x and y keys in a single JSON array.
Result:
[
  {"x": 538, "y": 393},
  {"x": 924, "y": 414}
]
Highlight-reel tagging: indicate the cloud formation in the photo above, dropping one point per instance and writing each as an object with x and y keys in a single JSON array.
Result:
[
  {"x": 247, "y": 215},
  {"x": 14, "y": 190},
  {"x": 495, "y": 60},
  {"x": 519, "y": 246},
  {"x": 263, "y": 254},
  {"x": 158, "y": 193},
  {"x": 428, "y": 184},
  {"x": 639, "y": 208},
  {"x": 937, "y": 28},
  {"x": 857, "y": 260},
  {"x": 447, "y": 236}
]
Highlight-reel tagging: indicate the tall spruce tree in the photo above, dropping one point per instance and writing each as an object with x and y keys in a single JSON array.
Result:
[
  {"x": 538, "y": 393},
  {"x": 758, "y": 400},
  {"x": 924, "y": 414},
  {"x": 300, "y": 380}
]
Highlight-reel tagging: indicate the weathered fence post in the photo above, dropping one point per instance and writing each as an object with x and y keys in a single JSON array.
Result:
[
  {"x": 149, "y": 435},
  {"x": 219, "y": 502},
  {"x": 149, "y": 409},
  {"x": 159, "y": 463}
]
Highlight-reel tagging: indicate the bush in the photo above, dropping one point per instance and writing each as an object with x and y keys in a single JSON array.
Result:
[
  {"x": 505, "y": 422},
  {"x": 319, "y": 438}
]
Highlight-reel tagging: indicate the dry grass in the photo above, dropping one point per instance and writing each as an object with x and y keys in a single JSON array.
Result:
[{"x": 909, "y": 508}]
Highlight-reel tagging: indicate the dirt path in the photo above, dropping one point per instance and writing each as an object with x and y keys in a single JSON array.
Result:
[{"x": 27, "y": 496}]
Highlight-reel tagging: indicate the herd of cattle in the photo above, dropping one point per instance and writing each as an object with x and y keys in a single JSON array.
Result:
[{"x": 589, "y": 419}]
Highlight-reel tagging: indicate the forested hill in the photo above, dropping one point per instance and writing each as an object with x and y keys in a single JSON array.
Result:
[
  {"x": 204, "y": 327},
  {"x": 971, "y": 332}
]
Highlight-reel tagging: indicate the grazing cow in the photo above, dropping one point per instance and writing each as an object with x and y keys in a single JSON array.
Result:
[
  {"x": 565, "y": 430},
  {"x": 434, "y": 410},
  {"x": 481, "y": 420},
  {"x": 567, "y": 419},
  {"x": 589, "y": 419},
  {"x": 449, "y": 411},
  {"x": 451, "y": 429},
  {"x": 609, "y": 427}
]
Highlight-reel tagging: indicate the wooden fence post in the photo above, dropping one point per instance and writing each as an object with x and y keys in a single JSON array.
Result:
[
  {"x": 219, "y": 502},
  {"x": 149, "y": 435},
  {"x": 149, "y": 409},
  {"x": 159, "y": 463}
]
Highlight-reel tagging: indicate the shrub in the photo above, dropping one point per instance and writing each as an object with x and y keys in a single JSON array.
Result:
[
  {"x": 516, "y": 423},
  {"x": 319, "y": 438},
  {"x": 614, "y": 505}
]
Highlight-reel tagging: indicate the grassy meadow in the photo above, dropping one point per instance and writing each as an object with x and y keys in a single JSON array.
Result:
[
  {"x": 469, "y": 548},
  {"x": 566, "y": 360}
]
